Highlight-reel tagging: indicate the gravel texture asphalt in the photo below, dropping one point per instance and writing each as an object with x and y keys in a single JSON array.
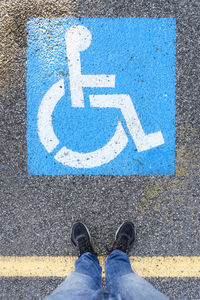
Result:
[{"x": 37, "y": 212}]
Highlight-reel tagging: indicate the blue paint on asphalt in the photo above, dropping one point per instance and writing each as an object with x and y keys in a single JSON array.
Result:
[{"x": 141, "y": 53}]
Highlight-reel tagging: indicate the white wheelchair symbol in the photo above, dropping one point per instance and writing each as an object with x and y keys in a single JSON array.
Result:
[{"x": 78, "y": 38}]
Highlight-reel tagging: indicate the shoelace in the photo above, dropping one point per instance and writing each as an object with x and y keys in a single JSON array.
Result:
[
  {"x": 83, "y": 245},
  {"x": 122, "y": 244}
]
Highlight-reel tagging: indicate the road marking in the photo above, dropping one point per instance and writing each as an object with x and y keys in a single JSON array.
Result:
[
  {"x": 101, "y": 110},
  {"x": 62, "y": 266},
  {"x": 78, "y": 38}
]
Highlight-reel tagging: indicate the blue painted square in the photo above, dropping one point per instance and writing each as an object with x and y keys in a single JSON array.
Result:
[{"x": 140, "y": 52}]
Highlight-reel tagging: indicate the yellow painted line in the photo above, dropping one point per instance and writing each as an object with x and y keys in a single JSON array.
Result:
[{"x": 61, "y": 266}]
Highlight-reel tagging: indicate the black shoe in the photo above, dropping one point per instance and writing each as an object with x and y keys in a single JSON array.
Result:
[
  {"x": 81, "y": 239},
  {"x": 124, "y": 237}
]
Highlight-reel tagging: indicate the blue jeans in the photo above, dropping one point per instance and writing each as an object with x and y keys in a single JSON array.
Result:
[{"x": 121, "y": 282}]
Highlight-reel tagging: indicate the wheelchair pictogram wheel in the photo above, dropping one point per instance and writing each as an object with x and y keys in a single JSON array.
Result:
[{"x": 66, "y": 156}]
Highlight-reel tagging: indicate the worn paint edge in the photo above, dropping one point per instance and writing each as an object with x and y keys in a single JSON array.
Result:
[{"x": 62, "y": 266}]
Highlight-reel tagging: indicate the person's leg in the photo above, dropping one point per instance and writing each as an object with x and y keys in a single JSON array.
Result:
[
  {"x": 85, "y": 282},
  {"x": 120, "y": 277}
]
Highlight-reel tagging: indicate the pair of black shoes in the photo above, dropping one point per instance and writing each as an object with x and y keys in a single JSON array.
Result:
[{"x": 124, "y": 238}]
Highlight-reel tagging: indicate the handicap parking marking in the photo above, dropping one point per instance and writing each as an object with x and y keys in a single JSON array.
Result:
[{"x": 101, "y": 96}]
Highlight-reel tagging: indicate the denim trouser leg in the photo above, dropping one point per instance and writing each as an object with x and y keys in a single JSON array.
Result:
[
  {"x": 83, "y": 284},
  {"x": 121, "y": 279}
]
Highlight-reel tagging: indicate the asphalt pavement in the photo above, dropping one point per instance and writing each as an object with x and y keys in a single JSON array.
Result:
[{"x": 37, "y": 212}]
